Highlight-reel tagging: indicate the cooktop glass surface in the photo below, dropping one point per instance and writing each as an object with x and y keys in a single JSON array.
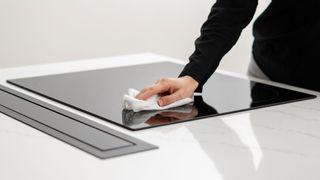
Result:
[{"x": 100, "y": 93}]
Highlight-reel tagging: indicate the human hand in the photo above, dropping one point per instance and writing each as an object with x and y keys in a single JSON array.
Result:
[{"x": 173, "y": 89}]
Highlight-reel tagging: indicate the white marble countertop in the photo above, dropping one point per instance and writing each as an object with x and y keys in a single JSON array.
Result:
[{"x": 275, "y": 143}]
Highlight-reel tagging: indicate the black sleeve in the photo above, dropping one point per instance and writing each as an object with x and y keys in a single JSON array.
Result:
[{"x": 218, "y": 34}]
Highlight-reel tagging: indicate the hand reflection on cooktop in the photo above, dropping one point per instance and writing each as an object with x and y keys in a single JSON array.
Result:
[
  {"x": 260, "y": 95},
  {"x": 172, "y": 115},
  {"x": 91, "y": 93},
  {"x": 154, "y": 118}
]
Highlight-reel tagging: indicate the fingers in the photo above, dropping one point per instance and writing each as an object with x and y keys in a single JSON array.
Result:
[
  {"x": 166, "y": 100},
  {"x": 174, "y": 115},
  {"x": 177, "y": 88},
  {"x": 151, "y": 91},
  {"x": 146, "y": 93}
]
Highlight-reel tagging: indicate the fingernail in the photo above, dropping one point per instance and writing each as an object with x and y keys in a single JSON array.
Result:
[{"x": 160, "y": 102}]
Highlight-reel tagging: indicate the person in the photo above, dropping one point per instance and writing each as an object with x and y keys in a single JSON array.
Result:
[{"x": 285, "y": 47}]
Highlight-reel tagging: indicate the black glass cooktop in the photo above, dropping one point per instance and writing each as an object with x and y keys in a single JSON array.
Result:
[{"x": 100, "y": 93}]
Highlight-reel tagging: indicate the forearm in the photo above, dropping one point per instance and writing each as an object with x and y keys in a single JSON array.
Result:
[{"x": 218, "y": 34}]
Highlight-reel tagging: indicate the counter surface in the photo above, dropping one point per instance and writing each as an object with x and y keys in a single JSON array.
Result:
[{"x": 278, "y": 142}]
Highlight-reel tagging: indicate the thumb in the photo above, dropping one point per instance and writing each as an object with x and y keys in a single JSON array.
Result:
[{"x": 166, "y": 100}]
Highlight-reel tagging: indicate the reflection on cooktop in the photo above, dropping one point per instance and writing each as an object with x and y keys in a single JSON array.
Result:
[
  {"x": 261, "y": 95},
  {"x": 100, "y": 93},
  {"x": 145, "y": 119}
]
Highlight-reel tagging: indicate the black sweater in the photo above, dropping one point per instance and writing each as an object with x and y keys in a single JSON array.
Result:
[{"x": 286, "y": 45}]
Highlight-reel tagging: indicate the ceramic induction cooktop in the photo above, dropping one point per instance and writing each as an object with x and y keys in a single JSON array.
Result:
[{"x": 100, "y": 93}]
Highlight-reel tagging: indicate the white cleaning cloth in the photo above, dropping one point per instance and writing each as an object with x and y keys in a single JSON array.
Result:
[{"x": 131, "y": 103}]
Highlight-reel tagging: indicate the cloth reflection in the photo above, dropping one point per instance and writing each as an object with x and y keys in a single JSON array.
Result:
[
  {"x": 153, "y": 118},
  {"x": 260, "y": 95}
]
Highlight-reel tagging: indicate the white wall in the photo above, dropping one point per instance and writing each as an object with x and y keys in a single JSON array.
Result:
[{"x": 43, "y": 31}]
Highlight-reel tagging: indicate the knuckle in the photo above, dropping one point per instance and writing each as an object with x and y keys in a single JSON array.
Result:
[
  {"x": 151, "y": 88},
  {"x": 163, "y": 80},
  {"x": 142, "y": 90}
]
